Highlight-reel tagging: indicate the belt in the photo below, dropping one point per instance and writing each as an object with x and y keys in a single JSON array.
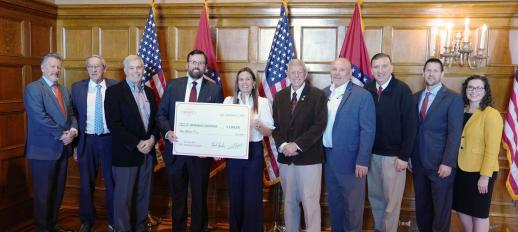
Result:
[{"x": 100, "y": 135}]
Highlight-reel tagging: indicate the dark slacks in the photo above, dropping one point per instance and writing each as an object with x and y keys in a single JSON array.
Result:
[
  {"x": 245, "y": 180},
  {"x": 193, "y": 171},
  {"x": 97, "y": 153},
  {"x": 48, "y": 185},
  {"x": 131, "y": 195},
  {"x": 433, "y": 199}
]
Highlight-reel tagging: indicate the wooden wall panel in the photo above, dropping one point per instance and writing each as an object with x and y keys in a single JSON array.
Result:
[
  {"x": 373, "y": 39},
  {"x": 409, "y": 46},
  {"x": 319, "y": 44},
  {"x": 232, "y": 44},
  {"x": 498, "y": 47},
  {"x": 11, "y": 83},
  {"x": 184, "y": 42},
  {"x": 11, "y": 36},
  {"x": 27, "y": 32},
  {"x": 265, "y": 38},
  {"x": 115, "y": 43},
  {"x": 243, "y": 34},
  {"x": 77, "y": 42},
  {"x": 41, "y": 39}
]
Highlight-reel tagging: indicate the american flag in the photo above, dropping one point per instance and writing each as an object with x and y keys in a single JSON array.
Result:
[
  {"x": 510, "y": 140},
  {"x": 274, "y": 80},
  {"x": 149, "y": 51},
  {"x": 354, "y": 49}
]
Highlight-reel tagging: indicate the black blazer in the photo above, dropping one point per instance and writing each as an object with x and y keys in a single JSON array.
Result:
[
  {"x": 175, "y": 92},
  {"x": 125, "y": 124},
  {"x": 304, "y": 126}
]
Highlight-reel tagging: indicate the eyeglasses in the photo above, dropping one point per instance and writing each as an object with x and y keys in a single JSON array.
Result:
[
  {"x": 475, "y": 89},
  {"x": 196, "y": 63},
  {"x": 94, "y": 66}
]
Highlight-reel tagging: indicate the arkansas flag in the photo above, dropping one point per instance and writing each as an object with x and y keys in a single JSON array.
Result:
[
  {"x": 204, "y": 43},
  {"x": 354, "y": 49}
]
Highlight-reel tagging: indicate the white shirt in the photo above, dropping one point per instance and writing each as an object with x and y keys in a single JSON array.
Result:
[
  {"x": 189, "y": 86},
  {"x": 90, "y": 106},
  {"x": 384, "y": 86},
  {"x": 264, "y": 114},
  {"x": 299, "y": 92},
  {"x": 332, "y": 107}
]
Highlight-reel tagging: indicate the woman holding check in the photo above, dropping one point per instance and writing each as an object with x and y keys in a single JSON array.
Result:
[
  {"x": 478, "y": 155},
  {"x": 245, "y": 176}
]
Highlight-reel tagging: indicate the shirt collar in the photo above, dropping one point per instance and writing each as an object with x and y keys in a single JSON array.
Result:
[
  {"x": 384, "y": 86},
  {"x": 340, "y": 90},
  {"x": 134, "y": 87},
  {"x": 92, "y": 84},
  {"x": 435, "y": 90},
  {"x": 50, "y": 83},
  {"x": 299, "y": 91},
  {"x": 190, "y": 79}
]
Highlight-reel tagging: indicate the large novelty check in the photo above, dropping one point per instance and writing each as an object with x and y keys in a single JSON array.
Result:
[{"x": 212, "y": 130}]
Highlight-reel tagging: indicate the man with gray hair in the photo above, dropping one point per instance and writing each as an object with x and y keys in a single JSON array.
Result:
[
  {"x": 51, "y": 128},
  {"x": 300, "y": 114},
  {"x": 94, "y": 148},
  {"x": 130, "y": 113}
]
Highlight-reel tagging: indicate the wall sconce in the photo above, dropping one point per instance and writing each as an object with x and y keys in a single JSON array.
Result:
[{"x": 459, "y": 50}]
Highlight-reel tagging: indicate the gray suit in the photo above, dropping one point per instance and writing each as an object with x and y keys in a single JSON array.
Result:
[
  {"x": 47, "y": 155},
  {"x": 353, "y": 134}
]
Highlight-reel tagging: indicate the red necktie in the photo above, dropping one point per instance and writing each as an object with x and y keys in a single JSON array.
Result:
[
  {"x": 293, "y": 101},
  {"x": 424, "y": 106},
  {"x": 55, "y": 88},
  {"x": 192, "y": 96},
  {"x": 380, "y": 89}
]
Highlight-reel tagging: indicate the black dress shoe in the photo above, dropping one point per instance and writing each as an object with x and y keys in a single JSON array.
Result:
[
  {"x": 59, "y": 229},
  {"x": 85, "y": 228}
]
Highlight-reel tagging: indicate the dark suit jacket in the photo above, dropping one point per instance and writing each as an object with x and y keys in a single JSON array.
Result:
[
  {"x": 354, "y": 130},
  {"x": 45, "y": 121},
  {"x": 79, "y": 98},
  {"x": 125, "y": 124},
  {"x": 304, "y": 126},
  {"x": 438, "y": 135},
  {"x": 175, "y": 92}
]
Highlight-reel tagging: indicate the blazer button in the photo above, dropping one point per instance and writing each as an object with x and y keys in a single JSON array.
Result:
[{"x": 461, "y": 147}]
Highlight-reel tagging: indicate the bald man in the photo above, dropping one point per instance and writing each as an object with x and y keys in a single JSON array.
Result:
[{"x": 348, "y": 140}]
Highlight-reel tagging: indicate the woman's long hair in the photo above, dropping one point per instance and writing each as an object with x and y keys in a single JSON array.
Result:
[{"x": 254, "y": 89}]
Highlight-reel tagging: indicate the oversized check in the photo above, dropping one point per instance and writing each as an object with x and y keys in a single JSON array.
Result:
[{"x": 212, "y": 130}]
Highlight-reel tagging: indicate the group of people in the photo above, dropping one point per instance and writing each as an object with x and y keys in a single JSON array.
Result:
[{"x": 355, "y": 136}]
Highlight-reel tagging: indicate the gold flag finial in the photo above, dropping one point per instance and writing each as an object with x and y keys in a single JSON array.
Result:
[{"x": 285, "y": 3}]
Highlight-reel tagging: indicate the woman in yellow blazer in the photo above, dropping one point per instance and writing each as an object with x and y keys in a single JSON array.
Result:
[{"x": 478, "y": 155}]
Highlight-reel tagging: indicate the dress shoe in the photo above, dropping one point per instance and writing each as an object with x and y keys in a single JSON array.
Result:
[
  {"x": 85, "y": 228},
  {"x": 59, "y": 229},
  {"x": 110, "y": 228}
]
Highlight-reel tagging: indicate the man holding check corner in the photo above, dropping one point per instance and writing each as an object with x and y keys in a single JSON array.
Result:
[{"x": 185, "y": 170}]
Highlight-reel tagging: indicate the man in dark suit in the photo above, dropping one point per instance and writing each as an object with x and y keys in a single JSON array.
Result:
[
  {"x": 94, "y": 148},
  {"x": 348, "y": 140},
  {"x": 299, "y": 115},
  {"x": 185, "y": 170},
  {"x": 51, "y": 127},
  {"x": 434, "y": 159},
  {"x": 130, "y": 115}
]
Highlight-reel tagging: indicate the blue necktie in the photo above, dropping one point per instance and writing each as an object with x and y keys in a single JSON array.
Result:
[{"x": 98, "y": 119}]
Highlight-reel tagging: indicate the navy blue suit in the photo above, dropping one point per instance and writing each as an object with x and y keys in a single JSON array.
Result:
[
  {"x": 92, "y": 151},
  {"x": 184, "y": 169},
  {"x": 353, "y": 135},
  {"x": 47, "y": 155},
  {"x": 437, "y": 142}
]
